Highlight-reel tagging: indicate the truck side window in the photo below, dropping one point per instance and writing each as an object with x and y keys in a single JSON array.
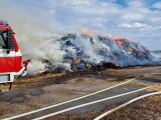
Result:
[
  {"x": 3, "y": 39},
  {"x": 2, "y": 42},
  {"x": 5, "y": 35}
]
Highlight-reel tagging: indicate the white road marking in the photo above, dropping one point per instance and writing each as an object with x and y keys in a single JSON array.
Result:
[
  {"x": 52, "y": 106},
  {"x": 125, "y": 104},
  {"x": 90, "y": 103}
]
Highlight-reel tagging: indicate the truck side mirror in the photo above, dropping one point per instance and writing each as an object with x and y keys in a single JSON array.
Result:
[{"x": 9, "y": 40}]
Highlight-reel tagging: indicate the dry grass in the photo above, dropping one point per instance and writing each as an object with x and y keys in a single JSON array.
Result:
[
  {"x": 156, "y": 87},
  {"x": 118, "y": 74},
  {"x": 148, "y": 108},
  {"x": 36, "y": 80},
  {"x": 140, "y": 83},
  {"x": 31, "y": 80}
]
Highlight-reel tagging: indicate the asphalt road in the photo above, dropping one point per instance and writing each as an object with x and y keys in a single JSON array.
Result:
[{"x": 102, "y": 106}]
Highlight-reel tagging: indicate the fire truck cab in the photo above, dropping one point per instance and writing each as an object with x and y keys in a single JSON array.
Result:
[{"x": 10, "y": 55}]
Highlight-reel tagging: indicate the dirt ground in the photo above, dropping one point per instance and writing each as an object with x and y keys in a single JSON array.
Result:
[{"x": 38, "y": 91}]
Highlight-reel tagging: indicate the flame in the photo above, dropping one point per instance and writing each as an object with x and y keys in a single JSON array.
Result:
[
  {"x": 119, "y": 37},
  {"x": 113, "y": 39},
  {"x": 131, "y": 50},
  {"x": 88, "y": 34},
  {"x": 120, "y": 43},
  {"x": 85, "y": 31}
]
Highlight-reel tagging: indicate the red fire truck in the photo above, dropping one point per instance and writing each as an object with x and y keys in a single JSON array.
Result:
[{"x": 10, "y": 56}]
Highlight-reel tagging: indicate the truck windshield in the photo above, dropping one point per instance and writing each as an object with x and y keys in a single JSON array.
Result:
[{"x": 3, "y": 36}]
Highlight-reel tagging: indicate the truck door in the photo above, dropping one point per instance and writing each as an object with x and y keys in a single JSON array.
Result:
[{"x": 7, "y": 52}]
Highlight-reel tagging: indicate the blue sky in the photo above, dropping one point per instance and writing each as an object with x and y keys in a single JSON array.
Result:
[{"x": 139, "y": 20}]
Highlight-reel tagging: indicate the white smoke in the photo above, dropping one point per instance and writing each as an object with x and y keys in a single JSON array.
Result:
[
  {"x": 36, "y": 34},
  {"x": 88, "y": 47},
  {"x": 51, "y": 52},
  {"x": 71, "y": 49},
  {"x": 35, "y": 65}
]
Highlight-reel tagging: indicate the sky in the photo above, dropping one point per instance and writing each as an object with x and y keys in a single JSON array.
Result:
[{"x": 139, "y": 20}]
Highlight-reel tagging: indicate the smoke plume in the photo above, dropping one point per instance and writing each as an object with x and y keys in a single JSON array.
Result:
[{"x": 41, "y": 38}]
